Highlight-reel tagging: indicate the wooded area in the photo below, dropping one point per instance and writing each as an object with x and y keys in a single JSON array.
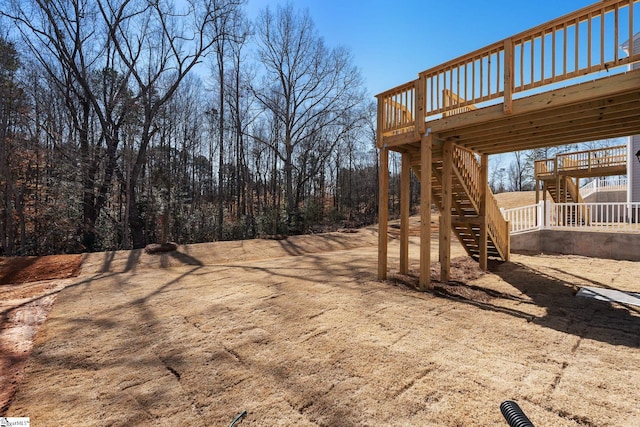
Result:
[{"x": 126, "y": 122}]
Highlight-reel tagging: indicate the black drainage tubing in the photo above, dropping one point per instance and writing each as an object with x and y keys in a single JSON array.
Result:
[
  {"x": 238, "y": 418},
  {"x": 514, "y": 415}
]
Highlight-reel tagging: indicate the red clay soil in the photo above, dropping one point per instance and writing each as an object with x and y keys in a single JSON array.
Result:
[
  {"x": 27, "y": 293},
  {"x": 16, "y": 270}
]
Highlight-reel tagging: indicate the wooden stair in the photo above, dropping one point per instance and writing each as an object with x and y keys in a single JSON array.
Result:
[
  {"x": 563, "y": 189},
  {"x": 566, "y": 192},
  {"x": 465, "y": 206}
]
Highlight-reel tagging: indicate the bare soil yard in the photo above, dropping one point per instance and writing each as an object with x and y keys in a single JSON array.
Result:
[{"x": 300, "y": 332}]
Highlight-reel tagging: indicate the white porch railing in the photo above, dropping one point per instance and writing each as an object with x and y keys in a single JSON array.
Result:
[
  {"x": 603, "y": 184},
  {"x": 524, "y": 218},
  {"x": 622, "y": 217}
]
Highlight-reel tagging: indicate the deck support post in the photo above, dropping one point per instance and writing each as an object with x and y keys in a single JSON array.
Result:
[
  {"x": 425, "y": 210},
  {"x": 405, "y": 198},
  {"x": 484, "y": 223},
  {"x": 444, "y": 244},
  {"x": 383, "y": 212},
  {"x": 537, "y": 181}
]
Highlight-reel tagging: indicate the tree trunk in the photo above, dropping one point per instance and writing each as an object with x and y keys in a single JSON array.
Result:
[
  {"x": 136, "y": 225},
  {"x": 89, "y": 213},
  {"x": 288, "y": 176},
  {"x": 221, "y": 192}
]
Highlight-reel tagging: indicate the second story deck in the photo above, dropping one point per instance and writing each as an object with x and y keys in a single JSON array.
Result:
[
  {"x": 570, "y": 80},
  {"x": 581, "y": 164}
]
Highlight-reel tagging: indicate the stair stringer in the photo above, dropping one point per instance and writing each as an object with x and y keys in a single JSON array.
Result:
[
  {"x": 466, "y": 227},
  {"x": 498, "y": 227}
]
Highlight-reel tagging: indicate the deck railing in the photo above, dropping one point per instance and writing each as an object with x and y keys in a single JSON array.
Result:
[
  {"x": 524, "y": 218},
  {"x": 620, "y": 217},
  {"x": 581, "y": 161},
  {"x": 603, "y": 184},
  {"x": 596, "y": 38},
  {"x": 475, "y": 78},
  {"x": 593, "y": 216},
  {"x": 544, "y": 168},
  {"x": 396, "y": 109},
  {"x": 589, "y": 160},
  {"x": 467, "y": 165}
]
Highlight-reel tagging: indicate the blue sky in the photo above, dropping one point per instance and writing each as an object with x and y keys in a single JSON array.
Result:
[{"x": 392, "y": 41}]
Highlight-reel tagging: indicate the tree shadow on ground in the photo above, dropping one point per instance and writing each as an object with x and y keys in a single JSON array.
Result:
[
  {"x": 604, "y": 321},
  {"x": 611, "y": 322}
]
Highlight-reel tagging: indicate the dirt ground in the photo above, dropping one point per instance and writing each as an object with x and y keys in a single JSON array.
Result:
[
  {"x": 300, "y": 332},
  {"x": 28, "y": 286}
]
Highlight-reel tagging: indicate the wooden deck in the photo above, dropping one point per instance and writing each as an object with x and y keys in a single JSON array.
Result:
[
  {"x": 566, "y": 81},
  {"x": 560, "y": 176},
  {"x": 598, "y": 162}
]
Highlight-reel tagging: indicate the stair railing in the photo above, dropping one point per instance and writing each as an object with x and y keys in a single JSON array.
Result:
[{"x": 467, "y": 167}]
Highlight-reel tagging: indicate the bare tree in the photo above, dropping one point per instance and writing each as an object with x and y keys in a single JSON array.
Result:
[
  {"x": 520, "y": 172},
  {"x": 110, "y": 149},
  {"x": 61, "y": 35},
  {"x": 497, "y": 174},
  {"x": 226, "y": 29},
  {"x": 239, "y": 102},
  {"x": 141, "y": 51},
  {"x": 603, "y": 143},
  {"x": 10, "y": 97},
  {"x": 158, "y": 58},
  {"x": 311, "y": 90}
]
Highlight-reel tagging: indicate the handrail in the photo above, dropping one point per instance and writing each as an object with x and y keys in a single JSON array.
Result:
[
  {"x": 584, "y": 42},
  {"x": 603, "y": 184},
  {"x": 454, "y": 100},
  {"x": 612, "y": 216},
  {"x": 544, "y": 167},
  {"x": 619, "y": 216},
  {"x": 524, "y": 218},
  {"x": 475, "y": 78},
  {"x": 593, "y": 159},
  {"x": 573, "y": 190},
  {"x": 498, "y": 227},
  {"x": 587, "y": 160},
  {"x": 397, "y": 108},
  {"x": 466, "y": 165}
]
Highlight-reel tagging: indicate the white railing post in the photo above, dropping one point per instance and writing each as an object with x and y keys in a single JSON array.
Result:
[
  {"x": 540, "y": 215},
  {"x": 547, "y": 213}
]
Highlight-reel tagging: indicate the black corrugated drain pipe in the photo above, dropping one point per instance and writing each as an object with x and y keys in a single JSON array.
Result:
[{"x": 514, "y": 415}]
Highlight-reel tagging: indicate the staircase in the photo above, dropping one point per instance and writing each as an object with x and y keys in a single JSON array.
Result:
[
  {"x": 465, "y": 206},
  {"x": 566, "y": 192},
  {"x": 563, "y": 189}
]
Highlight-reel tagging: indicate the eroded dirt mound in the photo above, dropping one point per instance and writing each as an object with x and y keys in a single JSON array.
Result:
[
  {"x": 463, "y": 270},
  {"x": 27, "y": 293},
  {"x": 16, "y": 270}
]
